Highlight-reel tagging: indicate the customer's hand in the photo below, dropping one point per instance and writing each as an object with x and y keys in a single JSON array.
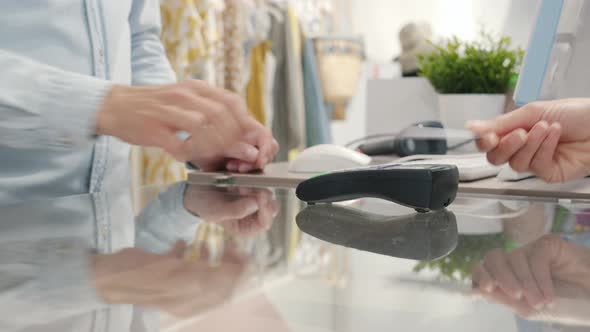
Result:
[
  {"x": 526, "y": 278},
  {"x": 551, "y": 139},
  {"x": 240, "y": 211},
  {"x": 168, "y": 282},
  {"x": 222, "y": 132}
]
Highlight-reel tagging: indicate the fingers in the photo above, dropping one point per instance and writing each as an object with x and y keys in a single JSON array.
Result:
[
  {"x": 233, "y": 165},
  {"x": 239, "y": 209},
  {"x": 222, "y": 109},
  {"x": 179, "y": 118},
  {"x": 508, "y": 146},
  {"x": 540, "y": 258},
  {"x": 496, "y": 264},
  {"x": 518, "y": 261},
  {"x": 543, "y": 160},
  {"x": 222, "y": 118},
  {"x": 487, "y": 142},
  {"x": 521, "y": 307},
  {"x": 523, "y": 118},
  {"x": 482, "y": 279},
  {"x": 275, "y": 147},
  {"x": 521, "y": 161},
  {"x": 240, "y": 166},
  {"x": 233, "y": 103},
  {"x": 261, "y": 137},
  {"x": 259, "y": 221},
  {"x": 274, "y": 208},
  {"x": 243, "y": 152},
  {"x": 267, "y": 213}
]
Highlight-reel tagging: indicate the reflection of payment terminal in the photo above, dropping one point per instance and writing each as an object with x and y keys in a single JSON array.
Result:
[
  {"x": 556, "y": 64},
  {"x": 419, "y": 236}
]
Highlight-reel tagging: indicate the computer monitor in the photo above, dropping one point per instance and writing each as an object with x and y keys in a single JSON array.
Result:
[{"x": 557, "y": 59}]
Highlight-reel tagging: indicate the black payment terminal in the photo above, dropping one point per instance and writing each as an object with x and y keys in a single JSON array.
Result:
[{"x": 421, "y": 187}]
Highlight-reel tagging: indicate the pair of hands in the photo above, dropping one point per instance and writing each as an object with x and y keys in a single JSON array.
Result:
[
  {"x": 223, "y": 135},
  {"x": 529, "y": 279},
  {"x": 168, "y": 282},
  {"x": 182, "y": 287},
  {"x": 551, "y": 139},
  {"x": 240, "y": 211}
]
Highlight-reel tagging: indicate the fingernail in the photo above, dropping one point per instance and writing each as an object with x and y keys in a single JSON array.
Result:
[
  {"x": 232, "y": 167},
  {"x": 522, "y": 134},
  {"x": 544, "y": 124},
  {"x": 556, "y": 125},
  {"x": 252, "y": 207},
  {"x": 264, "y": 161},
  {"x": 245, "y": 168},
  {"x": 474, "y": 123},
  {"x": 539, "y": 306},
  {"x": 251, "y": 153},
  {"x": 489, "y": 288},
  {"x": 493, "y": 139},
  {"x": 518, "y": 295},
  {"x": 550, "y": 305}
]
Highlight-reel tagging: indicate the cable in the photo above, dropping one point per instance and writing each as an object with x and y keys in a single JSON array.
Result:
[
  {"x": 370, "y": 137},
  {"x": 458, "y": 145}
]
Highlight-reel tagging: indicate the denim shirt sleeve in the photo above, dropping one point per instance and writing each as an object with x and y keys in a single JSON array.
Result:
[
  {"x": 51, "y": 279},
  {"x": 149, "y": 63},
  {"x": 165, "y": 220},
  {"x": 43, "y": 106}
]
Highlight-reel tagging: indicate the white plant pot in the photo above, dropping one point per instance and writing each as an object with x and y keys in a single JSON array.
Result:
[{"x": 456, "y": 109}]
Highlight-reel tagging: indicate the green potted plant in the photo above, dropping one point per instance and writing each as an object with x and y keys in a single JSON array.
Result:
[
  {"x": 471, "y": 77},
  {"x": 459, "y": 264}
]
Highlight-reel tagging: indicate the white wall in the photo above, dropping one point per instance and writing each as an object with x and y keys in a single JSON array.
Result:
[{"x": 379, "y": 21}]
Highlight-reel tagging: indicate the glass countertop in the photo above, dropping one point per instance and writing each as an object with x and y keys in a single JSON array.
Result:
[{"x": 191, "y": 257}]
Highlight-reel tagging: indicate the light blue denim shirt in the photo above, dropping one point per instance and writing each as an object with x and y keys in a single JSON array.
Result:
[
  {"x": 58, "y": 59},
  {"x": 46, "y": 251}
]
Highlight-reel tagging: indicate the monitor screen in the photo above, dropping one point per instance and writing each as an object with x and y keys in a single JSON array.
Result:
[{"x": 558, "y": 42}]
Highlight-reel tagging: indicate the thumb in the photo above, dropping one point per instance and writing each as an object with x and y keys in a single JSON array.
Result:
[{"x": 523, "y": 118}]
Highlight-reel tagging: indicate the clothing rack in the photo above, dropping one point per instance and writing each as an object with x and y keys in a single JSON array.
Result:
[{"x": 254, "y": 48}]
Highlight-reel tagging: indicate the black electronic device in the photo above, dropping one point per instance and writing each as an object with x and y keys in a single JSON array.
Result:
[
  {"x": 422, "y": 187},
  {"x": 419, "y": 236},
  {"x": 407, "y": 146}
]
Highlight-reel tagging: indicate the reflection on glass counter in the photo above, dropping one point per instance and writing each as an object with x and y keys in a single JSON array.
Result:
[
  {"x": 419, "y": 236},
  {"x": 197, "y": 257}
]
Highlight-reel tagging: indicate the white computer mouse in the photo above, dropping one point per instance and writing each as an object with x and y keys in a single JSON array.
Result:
[{"x": 327, "y": 157}]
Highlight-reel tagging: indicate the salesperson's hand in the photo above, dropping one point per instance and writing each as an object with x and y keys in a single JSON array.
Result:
[
  {"x": 169, "y": 282},
  {"x": 222, "y": 132},
  {"x": 526, "y": 278},
  {"x": 551, "y": 139},
  {"x": 240, "y": 211}
]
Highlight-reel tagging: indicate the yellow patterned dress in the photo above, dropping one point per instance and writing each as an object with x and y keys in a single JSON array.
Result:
[{"x": 190, "y": 35}]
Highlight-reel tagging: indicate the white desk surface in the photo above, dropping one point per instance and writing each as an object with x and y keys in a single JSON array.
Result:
[{"x": 277, "y": 175}]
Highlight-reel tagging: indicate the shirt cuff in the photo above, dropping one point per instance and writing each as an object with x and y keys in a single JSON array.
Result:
[
  {"x": 69, "y": 105},
  {"x": 165, "y": 220},
  {"x": 179, "y": 211}
]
